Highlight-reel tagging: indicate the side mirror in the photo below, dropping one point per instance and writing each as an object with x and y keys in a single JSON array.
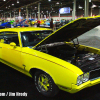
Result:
[{"x": 13, "y": 44}]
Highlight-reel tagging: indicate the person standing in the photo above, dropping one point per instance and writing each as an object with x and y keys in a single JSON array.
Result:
[
  {"x": 38, "y": 23},
  {"x": 51, "y": 24}
]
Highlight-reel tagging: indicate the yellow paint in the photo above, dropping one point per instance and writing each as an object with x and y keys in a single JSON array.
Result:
[{"x": 63, "y": 73}]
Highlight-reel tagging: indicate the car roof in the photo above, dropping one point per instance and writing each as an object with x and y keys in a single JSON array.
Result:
[{"x": 21, "y": 29}]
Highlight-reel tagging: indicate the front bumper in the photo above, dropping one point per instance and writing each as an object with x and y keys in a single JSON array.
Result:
[{"x": 76, "y": 88}]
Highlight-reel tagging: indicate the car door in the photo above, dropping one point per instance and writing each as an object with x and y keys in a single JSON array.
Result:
[
  {"x": 11, "y": 54},
  {"x": 1, "y": 43}
]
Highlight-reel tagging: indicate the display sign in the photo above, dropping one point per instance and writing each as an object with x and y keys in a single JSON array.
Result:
[{"x": 64, "y": 10}]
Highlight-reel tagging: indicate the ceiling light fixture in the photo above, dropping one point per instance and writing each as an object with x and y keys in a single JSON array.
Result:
[
  {"x": 4, "y": 0},
  {"x": 80, "y": 7},
  {"x": 57, "y": 3},
  {"x": 89, "y": 0},
  {"x": 49, "y": 0},
  {"x": 93, "y": 6},
  {"x": 12, "y": 4},
  {"x": 17, "y": 1}
]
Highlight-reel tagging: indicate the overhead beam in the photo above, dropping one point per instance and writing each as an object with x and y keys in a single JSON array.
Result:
[{"x": 26, "y": 5}]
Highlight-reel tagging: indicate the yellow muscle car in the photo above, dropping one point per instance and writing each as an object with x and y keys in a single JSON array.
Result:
[{"x": 53, "y": 59}]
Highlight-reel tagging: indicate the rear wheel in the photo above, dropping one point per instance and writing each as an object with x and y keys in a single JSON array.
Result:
[{"x": 45, "y": 84}]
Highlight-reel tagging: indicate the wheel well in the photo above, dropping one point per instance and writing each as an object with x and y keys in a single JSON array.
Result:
[{"x": 33, "y": 70}]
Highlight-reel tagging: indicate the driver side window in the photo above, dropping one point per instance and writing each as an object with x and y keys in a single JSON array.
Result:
[{"x": 11, "y": 37}]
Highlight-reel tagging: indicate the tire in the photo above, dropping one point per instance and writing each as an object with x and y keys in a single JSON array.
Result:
[{"x": 45, "y": 84}]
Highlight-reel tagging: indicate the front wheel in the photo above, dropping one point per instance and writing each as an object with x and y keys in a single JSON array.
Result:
[{"x": 45, "y": 84}]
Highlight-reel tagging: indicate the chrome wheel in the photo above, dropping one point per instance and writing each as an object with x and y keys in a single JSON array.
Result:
[{"x": 43, "y": 83}]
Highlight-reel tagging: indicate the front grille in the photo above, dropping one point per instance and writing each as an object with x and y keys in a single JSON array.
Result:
[{"x": 94, "y": 74}]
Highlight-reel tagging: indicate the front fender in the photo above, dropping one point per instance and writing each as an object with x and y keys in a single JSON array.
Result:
[
  {"x": 62, "y": 72},
  {"x": 60, "y": 75}
]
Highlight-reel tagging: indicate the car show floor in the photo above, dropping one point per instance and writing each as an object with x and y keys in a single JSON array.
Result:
[{"x": 12, "y": 82}]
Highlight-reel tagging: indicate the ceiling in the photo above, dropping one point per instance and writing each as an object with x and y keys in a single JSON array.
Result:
[{"x": 45, "y": 5}]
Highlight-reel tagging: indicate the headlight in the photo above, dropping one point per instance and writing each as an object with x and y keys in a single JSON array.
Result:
[
  {"x": 82, "y": 78},
  {"x": 86, "y": 77}
]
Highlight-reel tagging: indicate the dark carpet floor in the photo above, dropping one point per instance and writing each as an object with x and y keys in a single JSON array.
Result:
[{"x": 12, "y": 81}]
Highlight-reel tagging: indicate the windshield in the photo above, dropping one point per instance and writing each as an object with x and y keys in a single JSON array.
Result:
[{"x": 31, "y": 38}]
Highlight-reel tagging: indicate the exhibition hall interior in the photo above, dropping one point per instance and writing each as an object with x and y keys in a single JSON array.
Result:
[
  {"x": 62, "y": 68},
  {"x": 24, "y": 13}
]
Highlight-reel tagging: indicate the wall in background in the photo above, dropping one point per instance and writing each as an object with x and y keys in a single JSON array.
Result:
[{"x": 79, "y": 13}]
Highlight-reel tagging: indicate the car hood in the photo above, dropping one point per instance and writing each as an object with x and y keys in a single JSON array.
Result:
[{"x": 71, "y": 30}]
